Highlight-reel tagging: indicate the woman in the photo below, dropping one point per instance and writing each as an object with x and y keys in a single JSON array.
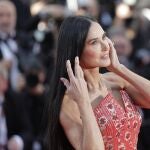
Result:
[{"x": 81, "y": 96}]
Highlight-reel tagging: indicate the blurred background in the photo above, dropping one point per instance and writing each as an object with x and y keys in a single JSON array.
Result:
[{"x": 28, "y": 40}]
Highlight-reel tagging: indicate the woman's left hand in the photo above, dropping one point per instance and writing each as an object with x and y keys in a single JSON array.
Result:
[{"x": 115, "y": 64}]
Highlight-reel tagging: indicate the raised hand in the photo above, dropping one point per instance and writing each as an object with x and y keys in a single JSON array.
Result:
[
  {"x": 115, "y": 64},
  {"x": 76, "y": 85}
]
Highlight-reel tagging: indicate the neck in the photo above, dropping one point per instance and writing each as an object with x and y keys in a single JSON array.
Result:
[{"x": 92, "y": 77}]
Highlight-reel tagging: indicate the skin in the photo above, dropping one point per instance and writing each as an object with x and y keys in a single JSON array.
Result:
[
  {"x": 7, "y": 16},
  {"x": 87, "y": 87},
  {"x": 3, "y": 85},
  {"x": 7, "y": 22}
]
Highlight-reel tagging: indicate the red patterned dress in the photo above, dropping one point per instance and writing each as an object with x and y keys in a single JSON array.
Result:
[{"x": 119, "y": 127}]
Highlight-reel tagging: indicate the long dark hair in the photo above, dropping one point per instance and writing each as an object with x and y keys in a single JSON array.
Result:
[{"x": 71, "y": 41}]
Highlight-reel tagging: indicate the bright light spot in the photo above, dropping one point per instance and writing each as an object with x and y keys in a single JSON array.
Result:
[
  {"x": 36, "y": 8},
  {"x": 130, "y": 2},
  {"x": 72, "y": 5},
  {"x": 146, "y": 13},
  {"x": 42, "y": 26},
  {"x": 123, "y": 11},
  {"x": 84, "y": 2}
]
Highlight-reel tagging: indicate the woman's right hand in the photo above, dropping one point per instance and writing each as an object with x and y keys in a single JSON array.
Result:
[
  {"x": 80, "y": 125},
  {"x": 76, "y": 85}
]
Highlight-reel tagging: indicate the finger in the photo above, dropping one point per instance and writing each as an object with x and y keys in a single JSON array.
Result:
[
  {"x": 65, "y": 82},
  {"x": 81, "y": 71},
  {"x": 110, "y": 42},
  {"x": 76, "y": 67},
  {"x": 109, "y": 39},
  {"x": 112, "y": 48},
  {"x": 69, "y": 70}
]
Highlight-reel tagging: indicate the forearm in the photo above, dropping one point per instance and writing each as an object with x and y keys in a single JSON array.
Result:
[
  {"x": 140, "y": 83},
  {"x": 92, "y": 138}
]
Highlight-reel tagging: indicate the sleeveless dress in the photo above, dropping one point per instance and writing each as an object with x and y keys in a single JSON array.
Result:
[{"x": 119, "y": 126}]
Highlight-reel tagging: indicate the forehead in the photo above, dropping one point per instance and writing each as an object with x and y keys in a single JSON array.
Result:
[
  {"x": 5, "y": 6},
  {"x": 95, "y": 31}
]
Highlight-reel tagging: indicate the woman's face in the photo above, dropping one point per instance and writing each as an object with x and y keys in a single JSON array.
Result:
[{"x": 96, "y": 49}]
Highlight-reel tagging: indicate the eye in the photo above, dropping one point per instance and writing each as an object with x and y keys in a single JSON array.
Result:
[{"x": 94, "y": 42}]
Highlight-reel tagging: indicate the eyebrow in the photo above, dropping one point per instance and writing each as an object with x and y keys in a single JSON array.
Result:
[{"x": 103, "y": 36}]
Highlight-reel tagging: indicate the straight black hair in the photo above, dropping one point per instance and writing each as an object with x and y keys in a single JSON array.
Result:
[{"x": 71, "y": 42}]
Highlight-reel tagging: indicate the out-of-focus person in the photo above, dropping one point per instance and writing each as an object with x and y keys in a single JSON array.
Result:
[
  {"x": 35, "y": 101},
  {"x": 23, "y": 11},
  {"x": 122, "y": 44},
  {"x": 12, "y": 43},
  {"x": 14, "y": 125}
]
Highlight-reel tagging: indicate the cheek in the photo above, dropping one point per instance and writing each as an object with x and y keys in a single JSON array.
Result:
[
  {"x": 90, "y": 58},
  {"x": 90, "y": 54}
]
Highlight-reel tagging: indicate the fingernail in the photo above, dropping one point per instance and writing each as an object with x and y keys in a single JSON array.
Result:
[
  {"x": 67, "y": 61},
  {"x": 61, "y": 79},
  {"x": 77, "y": 58}
]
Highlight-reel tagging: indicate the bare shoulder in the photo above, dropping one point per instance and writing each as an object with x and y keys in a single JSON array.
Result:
[{"x": 114, "y": 79}]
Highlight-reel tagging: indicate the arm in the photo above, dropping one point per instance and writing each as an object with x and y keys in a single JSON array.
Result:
[
  {"x": 92, "y": 138},
  {"x": 84, "y": 133},
  {"x": 137, "y": 86}
]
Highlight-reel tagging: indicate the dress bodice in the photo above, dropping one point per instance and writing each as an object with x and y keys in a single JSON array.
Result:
[{"x": 119, "y": 126}]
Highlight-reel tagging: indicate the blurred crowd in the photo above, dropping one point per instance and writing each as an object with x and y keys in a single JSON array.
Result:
[{"x": 28, "y": 45}]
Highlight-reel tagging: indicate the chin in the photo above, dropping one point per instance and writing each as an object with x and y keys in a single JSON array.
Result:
[{"x": 105, "y": 64}]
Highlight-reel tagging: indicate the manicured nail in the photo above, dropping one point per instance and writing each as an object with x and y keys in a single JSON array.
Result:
[
  {"x": 77, "y": 59},
  {"x": 68, "y": 62}
]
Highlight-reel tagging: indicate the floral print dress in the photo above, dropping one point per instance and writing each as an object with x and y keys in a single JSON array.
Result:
[{"x": 119, "y": 126}]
